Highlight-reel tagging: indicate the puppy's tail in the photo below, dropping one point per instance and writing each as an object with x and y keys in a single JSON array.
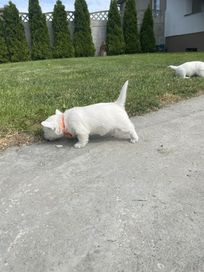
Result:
[
  {"x": 173, "y": 67},
  {"x": 122, "y": 97}
]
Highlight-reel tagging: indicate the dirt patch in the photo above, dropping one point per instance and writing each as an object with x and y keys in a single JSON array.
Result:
[
  {"x": 17, "y": 139},
  {"x": 169, "y": 99}
]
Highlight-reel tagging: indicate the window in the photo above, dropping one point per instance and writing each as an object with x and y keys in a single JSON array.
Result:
[
  {"x": 197, "y": 6},
  {"x": 156, "y": 7},
  {"x": 194, "y": 6}
]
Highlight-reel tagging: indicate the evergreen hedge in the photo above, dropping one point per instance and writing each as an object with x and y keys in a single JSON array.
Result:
[
  {"x": 63, "y": 47},
  {"x": 131, "y": 36},
  {"x": 17, "y": 45},
  {"x": 14, "y": 47},
  {"x": 147, "y": 38},
  {"x": 40, "y": 43},
  {"x": 3, "y": 48},
  {"x": 82, "y": 39},
  {"x": 114, "y": 34}
]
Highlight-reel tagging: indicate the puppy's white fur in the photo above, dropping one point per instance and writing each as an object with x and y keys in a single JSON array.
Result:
[
  {"x": 188, "y": 69},
  {"x": 100, "y": 119}
]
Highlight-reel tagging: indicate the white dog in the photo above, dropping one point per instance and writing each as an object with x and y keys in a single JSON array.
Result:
[
  {"x": 188, "y": 69},
  {"x": 100, "y": 119}
]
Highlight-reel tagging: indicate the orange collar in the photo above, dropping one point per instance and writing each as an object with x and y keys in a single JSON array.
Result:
[{"x": 64, "y": 130}]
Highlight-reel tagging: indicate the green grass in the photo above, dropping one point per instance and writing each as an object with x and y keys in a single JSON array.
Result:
[{"x": 31, "y": 91}]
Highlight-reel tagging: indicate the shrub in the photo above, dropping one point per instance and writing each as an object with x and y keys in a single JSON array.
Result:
[
  {"x": 83, "y": 43},
  {"x": 17, "y": 45},
  {"x": 62, "y": 42},
  {"x": 147, "y": 38},
  {"x": 3, "y": 47},
  {"x": 131, "y": 36},
  {"x": 114, "y": 35},
  {"x": 40, "y": 44}
]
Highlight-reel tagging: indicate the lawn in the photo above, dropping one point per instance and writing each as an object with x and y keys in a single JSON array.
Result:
[{"x": 31, "y": 91}]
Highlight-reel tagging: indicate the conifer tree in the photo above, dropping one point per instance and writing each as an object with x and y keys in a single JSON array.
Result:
[
  {"x": 83, "y": 43},
  {"x": 3, "y": 47},
  {"x": 114, "y": 35},
  {"x": 62, "y": 41},
  {"x": 147, "y": 38},
  {"x": 14, "y": 34},
  {"x": 40, "y": 43},
  {"x": 131, "y": 36}
]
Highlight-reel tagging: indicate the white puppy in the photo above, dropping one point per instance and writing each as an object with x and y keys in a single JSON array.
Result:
[
  {"x": 188, "y": 69},
  {"x": 100, "y": 119}
]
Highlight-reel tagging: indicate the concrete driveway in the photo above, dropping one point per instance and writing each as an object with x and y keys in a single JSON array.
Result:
[{"x": 112, "y": 206}]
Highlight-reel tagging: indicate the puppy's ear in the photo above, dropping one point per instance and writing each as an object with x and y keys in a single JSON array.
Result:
[
  {"x": 47, "y": 124},
  {"x": 58, "y": 112}
]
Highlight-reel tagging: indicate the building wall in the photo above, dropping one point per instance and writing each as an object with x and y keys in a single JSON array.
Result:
[
  {"x": 187, "y": 42},
  {"x": 98, "y": 30},
  {"x": 179, "y": 19},
  {"x": 184, "y": 28}
]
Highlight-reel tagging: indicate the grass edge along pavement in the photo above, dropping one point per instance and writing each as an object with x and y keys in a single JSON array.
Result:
[{"x": 31, "y": 91}]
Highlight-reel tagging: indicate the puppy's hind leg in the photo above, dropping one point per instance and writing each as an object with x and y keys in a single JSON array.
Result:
[
  {"x": 82, "y": 140},
  {"x": 127, "y": 131},
  {"x": 133, "y": 135}
]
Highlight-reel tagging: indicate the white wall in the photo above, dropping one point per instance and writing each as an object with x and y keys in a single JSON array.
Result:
[
  {"x": 177, "y": 22},
  {"x": 98, "y": 30}
]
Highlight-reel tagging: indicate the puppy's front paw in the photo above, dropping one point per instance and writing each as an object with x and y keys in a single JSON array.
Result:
[
  {"x": 79, "y": 145},
  {"x": 134, "y": 140}
]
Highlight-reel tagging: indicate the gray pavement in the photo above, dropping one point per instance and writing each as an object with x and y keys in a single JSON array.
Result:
[{"x": 112, "y": 206}]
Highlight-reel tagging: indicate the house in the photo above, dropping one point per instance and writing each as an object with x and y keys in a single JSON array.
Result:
[
  {"x": 178, "y": 24},
  {"x": 184, "y": 25}
]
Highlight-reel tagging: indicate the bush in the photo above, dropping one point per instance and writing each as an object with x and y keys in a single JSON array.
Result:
[
  {"x": 114, "y": 35},
  {"x": 17, "y": 45},
  {"x": 131, "y": 36},
  {"x": 83, "y": 43},
  {"x": 147, "y": 39},
  {"x": 40, "y": 43},
  {"x": 3, "y": 47},
  {"x": 62, "y": 42}
]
